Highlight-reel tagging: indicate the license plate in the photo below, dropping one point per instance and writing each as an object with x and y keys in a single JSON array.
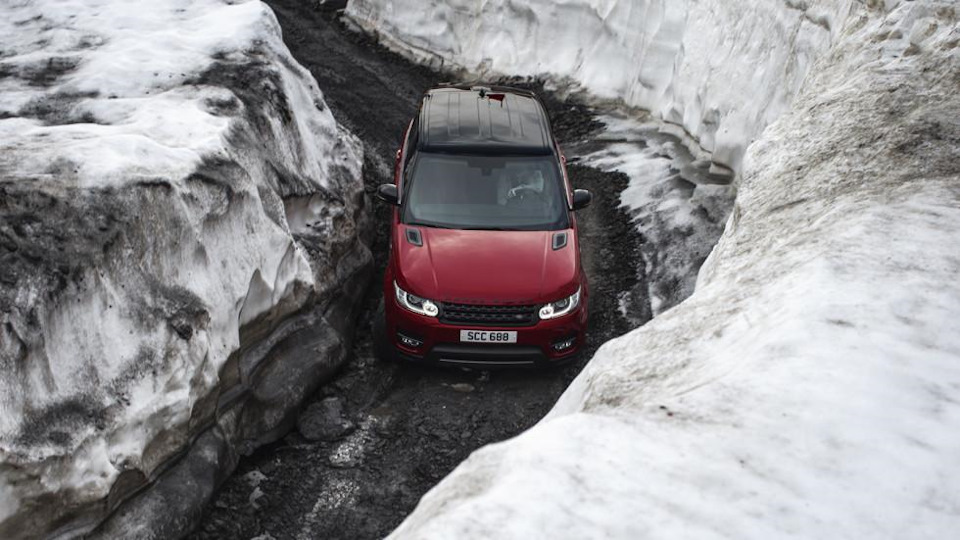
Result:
[{"x": 487, "y": 336}]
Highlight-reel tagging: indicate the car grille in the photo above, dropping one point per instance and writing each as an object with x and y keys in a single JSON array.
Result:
[{"x": 488, "y": 315}]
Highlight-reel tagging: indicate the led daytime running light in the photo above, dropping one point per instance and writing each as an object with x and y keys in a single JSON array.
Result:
[
  {"x": 416, "y": 304},
  {"x": 561, "y": 307}
]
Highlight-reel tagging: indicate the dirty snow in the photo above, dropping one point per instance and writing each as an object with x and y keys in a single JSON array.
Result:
[{"x": 144, "y": 199}]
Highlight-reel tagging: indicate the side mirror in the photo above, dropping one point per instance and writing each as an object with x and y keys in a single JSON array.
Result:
[
  {"x": 581, "y": 198},
  {"x": 388, "y": 194}
]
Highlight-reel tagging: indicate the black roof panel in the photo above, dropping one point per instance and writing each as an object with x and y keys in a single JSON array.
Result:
[{"x": 488, "y": 120}]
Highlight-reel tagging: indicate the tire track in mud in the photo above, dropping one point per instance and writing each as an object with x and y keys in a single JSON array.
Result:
[{"x": 395, "y": 429}]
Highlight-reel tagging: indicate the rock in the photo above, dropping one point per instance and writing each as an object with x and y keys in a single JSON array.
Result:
[
  {"x": 324, "y": 421},
  {"x": 462, "y": 387},
  {"x": 254, "y": 497},
  {"x": 254, "y": 478}
]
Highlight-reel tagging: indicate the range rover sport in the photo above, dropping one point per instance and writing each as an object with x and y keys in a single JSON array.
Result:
[{"x": 484, "y": 266}]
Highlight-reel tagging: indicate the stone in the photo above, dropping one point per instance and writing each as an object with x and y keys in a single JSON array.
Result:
[{"x": 324, "y": 421}]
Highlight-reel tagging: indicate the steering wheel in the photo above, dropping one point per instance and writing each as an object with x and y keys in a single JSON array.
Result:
[{"x": 522, "y": 192}]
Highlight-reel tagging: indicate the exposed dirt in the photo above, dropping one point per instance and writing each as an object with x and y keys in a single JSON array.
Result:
[{"x": 398, "y": 428}]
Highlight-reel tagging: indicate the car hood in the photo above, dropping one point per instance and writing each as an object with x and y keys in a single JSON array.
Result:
[{"x": 487, "y": 267}]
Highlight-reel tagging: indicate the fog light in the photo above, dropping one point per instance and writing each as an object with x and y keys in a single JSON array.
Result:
[
  {"x": 409, "y": 341},
  {"x": 564, "y": 344}
]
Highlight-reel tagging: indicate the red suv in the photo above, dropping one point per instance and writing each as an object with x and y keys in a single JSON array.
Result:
[{"x": 484, "y": 263}]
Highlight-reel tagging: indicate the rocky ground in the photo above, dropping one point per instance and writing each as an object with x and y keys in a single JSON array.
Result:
[{"x": 371, "y": 443}]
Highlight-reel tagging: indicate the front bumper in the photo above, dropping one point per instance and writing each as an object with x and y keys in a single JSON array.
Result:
[{"x": 441, "y": 341}]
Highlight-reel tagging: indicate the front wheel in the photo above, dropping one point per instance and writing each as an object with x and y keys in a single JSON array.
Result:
[{"x": 382, "y": 349}]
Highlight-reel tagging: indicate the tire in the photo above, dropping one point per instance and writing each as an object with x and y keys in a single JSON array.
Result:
[{"x": 382, "y": 350}]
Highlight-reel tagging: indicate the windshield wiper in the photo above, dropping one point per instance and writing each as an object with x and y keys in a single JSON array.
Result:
[
  {"x": 463, "y": 228},
  {"x": 415, "y": 224}
]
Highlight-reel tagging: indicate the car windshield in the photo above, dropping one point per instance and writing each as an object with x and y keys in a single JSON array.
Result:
[{"x": 485, "y": 192}]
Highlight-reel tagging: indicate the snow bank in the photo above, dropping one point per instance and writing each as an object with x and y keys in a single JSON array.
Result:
[
  {"x": 172, "y": 187},
  {"x": 691, "y": 63},
  {"x": 808, "y": 387}
]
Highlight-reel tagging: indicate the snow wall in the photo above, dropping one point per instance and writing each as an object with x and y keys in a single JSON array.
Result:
[
  {"x": 809, "y": 386},
  {"x": 721, "y": 71},
  {"x": 180, "y": 256}
]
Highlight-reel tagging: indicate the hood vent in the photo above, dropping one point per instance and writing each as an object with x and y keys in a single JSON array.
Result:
[
  {"x": 415, "y": 238},
  {"x": 559, "y": 240}
]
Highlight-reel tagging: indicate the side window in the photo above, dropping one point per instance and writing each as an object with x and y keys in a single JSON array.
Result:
[
  {"x": 409, "y": 149},
  {"x": 412, "y": 138}
]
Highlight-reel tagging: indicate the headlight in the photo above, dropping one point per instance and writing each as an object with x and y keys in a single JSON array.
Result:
[
  {"x": 560, "y": 307},
  {"x": 415, "y": 304}
]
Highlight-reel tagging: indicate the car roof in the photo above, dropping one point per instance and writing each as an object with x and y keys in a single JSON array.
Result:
[{"x": 484, "y": 120}]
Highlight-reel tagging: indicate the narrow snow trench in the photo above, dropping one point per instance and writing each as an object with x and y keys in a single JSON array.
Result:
[{"x": 375, "y": 439}]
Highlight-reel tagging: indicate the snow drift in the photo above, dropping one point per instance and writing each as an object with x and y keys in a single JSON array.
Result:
[
  {"x": 808, "y": 387},
  {"x": 178, "y": 211},
  {"x": 692, "y": 63}
]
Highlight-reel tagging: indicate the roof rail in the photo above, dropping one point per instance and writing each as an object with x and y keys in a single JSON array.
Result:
[{"x": 488, "y": 87}]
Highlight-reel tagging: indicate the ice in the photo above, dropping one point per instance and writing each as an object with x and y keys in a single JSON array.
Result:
[
  {"x": 807, "y": 387},
  {"x": 149, "y": 152}
]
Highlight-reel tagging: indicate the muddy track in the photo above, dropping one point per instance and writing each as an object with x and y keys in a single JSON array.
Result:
[{"x": 404, "y": 426}]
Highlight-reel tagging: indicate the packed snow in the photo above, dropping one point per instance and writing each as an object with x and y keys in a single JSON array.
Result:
[
  {"x": 720, "y": 70},
  {"x": 808, "y": 386},
  {"x": 164, "y": 165}
]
